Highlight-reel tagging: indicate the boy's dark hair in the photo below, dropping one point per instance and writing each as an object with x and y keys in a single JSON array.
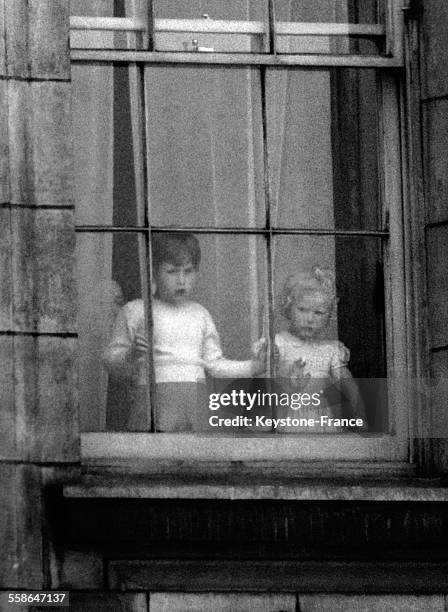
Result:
[{"x": 175, "y": 249}]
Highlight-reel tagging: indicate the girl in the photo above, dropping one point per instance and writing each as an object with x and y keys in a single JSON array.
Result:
[{"x": 305, "y": 360}]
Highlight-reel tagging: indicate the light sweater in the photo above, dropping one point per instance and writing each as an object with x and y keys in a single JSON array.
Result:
[{"x": 186, "y": 344}]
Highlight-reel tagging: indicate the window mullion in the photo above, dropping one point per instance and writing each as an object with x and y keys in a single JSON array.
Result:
[
  {"x": 150, "y": 24},
  {"x": 140, "y": 169},
  {"x": 269, "y": 214},
  {"x": 272, "y": 27}
]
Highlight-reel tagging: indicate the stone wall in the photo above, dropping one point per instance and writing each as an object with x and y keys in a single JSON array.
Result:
[{"x": 38, "y": 416}]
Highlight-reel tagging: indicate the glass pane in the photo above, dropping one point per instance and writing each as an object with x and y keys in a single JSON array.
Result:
[
  {"x": 329, "y": 312},
  {"x": 112, "y": 269},
  {"x": 212, "y": 331},
  {"x": 204, "y": 142},
  {"x": 108, "y": 137},
  {"x": 232, "y": 286},
  {"x": 321, "y": 37},
  {"x": 323, "y": 130},
  {"x": 232, "y": 26}
]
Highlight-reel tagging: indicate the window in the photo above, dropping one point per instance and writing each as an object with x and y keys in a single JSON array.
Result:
[
  {"x": 272, "y": 132},
  {"x": 327, "y": 27}
]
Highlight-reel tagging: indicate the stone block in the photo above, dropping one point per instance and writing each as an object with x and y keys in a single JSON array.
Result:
[
  {"x": 221, "y": 602},
  {"x": 40, "y": 146},
  {"x": 46, "y": 399},
  {"x": 435, "y": 48},
  {"x": 437, "y": 265},
  {"x": 7, "y": 404},
  {"x": 6, "y": 293},
  {"x": 42, "y": 270},
  {"x": 79, "y": 570},
  {"x": 437, "y": 391},
  {"x": 37, "y": 39},
  {"x": 108, "y": 602},
  {"x": 436, "y": 158},
  {"x": 371, "y": 603},
  {"x": 4, "y": 145},
  {"x": 20, "y": 527},
  {"x": 2, "y": 39}
]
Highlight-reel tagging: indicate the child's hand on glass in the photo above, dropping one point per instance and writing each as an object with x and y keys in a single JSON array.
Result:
[
  {"x": 259, "y": 356},
  {"x": 127, "y": 367},
  {"x": 297, "y": 373}
]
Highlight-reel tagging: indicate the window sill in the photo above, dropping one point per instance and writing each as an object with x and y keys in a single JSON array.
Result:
[
  {"x": 187, "y": 466},
  {"x": 381, "y": 456},
  {"x": 238, "y": 488}
]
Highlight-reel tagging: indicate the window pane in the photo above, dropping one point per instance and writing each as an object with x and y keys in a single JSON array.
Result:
[
  {"x": 353, "y": 273},
  {"x": 204, "y": 140},
  {"x": 292, "y": 17},
  {"x": 113, "y": 365},
  {"x": 111, "y": 271},
  {"x": 234, "y": 25},
  {"x": 232, "y": 286},
  {"x": 108, "y": 136},
  {"x": 187, "y": 339},
  {"x": 323, "y": 130}
]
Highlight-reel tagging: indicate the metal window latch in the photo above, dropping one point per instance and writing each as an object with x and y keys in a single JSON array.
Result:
[
  {"x": 198, "y": 49},
  {"x": 195, "y": 42}
]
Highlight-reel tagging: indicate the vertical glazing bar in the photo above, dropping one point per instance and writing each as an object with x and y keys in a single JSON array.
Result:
[
  {"x": 395, "y": 288},
  {"x": 135, "y": 91},
  {"x": 423, "y": 429},
  {"x": 150, "y": 25},
  {"x": 145, "y": 132},
  {"x": 394, "y": 29},
  {"x": 138, "y": 10},
  {"x": 272, "y": 42},
  {"x": 138, "y": 142},
  {"x": 252, "y": 211},
  {"x": 268, "y": 235}
]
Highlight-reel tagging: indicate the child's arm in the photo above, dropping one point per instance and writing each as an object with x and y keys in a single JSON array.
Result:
[
  {"x": 126, "y": 344},
  {"x": 218, "y": 366}
]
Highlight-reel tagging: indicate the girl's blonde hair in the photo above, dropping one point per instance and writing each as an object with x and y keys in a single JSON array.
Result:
[{"x": 318, "y": 280}]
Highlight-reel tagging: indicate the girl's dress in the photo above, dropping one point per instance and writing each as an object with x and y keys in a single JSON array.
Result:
[{"x": 310, "y": 367}]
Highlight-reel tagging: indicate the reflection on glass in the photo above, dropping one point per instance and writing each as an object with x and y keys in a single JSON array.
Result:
[
  {"x": 211, "y": 26},
  {"x": 111, "y": 271},
  {"x": 204, "y": 138},
  {"x": 323, "y": 148},
  {"x": 106, "y": 135},
  {"x": 322, "y": 35},
  {"x": 329, "y": 307}
]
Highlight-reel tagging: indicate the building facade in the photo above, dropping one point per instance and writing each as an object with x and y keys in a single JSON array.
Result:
[{"x": 160, "y": 528}]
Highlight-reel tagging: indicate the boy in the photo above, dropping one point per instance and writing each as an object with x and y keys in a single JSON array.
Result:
[{"x": 185, "y": 341}]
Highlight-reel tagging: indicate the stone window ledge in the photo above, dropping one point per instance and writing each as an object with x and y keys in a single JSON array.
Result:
[{"x": 237, "y": 488}]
